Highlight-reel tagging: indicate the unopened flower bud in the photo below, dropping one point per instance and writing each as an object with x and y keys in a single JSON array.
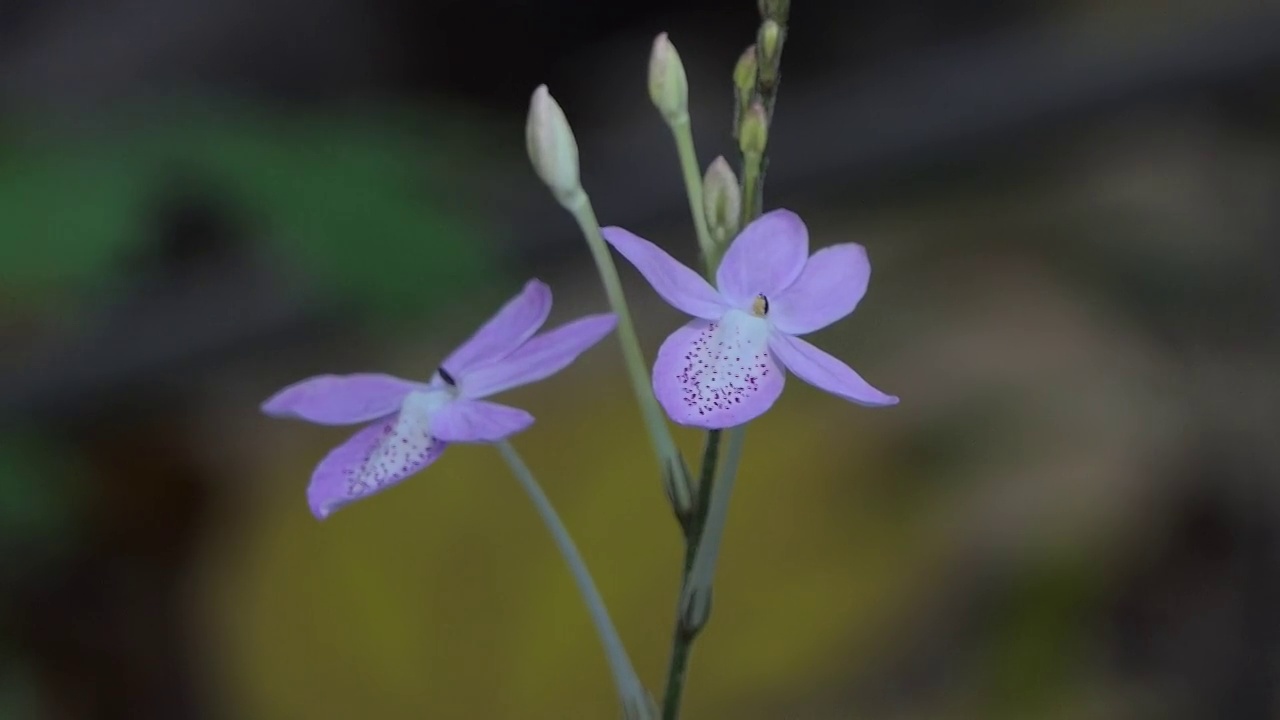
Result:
[
  {"x": 769, "y": 44},
  {"x": 721, "y": 201},
  {"x": 753, "y": 132},
  {"x": 744, "y": 85},
  {"x": 552, "y": 148},
  {"x": 744, "y": 76},
  {"x": 668, "y": 85},
  {"x": 776, "y": 10}
]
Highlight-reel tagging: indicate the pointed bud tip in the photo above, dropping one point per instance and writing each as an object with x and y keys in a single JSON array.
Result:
[
  {"x": 770, "y": 34},
  {"x": 553, "y": 151},
  {"x": 668, "y": 84},
  {"x": 774, "y": 9},
  {"x": 744, "y": 73},
  {"x": 719, "y": 166},
  {"x": 722, "y": 201},
  {"x": 769, "y": 41}
]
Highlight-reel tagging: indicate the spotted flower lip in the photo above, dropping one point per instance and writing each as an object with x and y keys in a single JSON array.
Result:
[
  {"x": 726, "y": 366},
  {"x": 411, "y": 423}
]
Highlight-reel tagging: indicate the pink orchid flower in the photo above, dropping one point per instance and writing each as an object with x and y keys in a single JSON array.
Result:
[
  {"x": 726, "y": 366},
  {"x": 411, "y": 423}
]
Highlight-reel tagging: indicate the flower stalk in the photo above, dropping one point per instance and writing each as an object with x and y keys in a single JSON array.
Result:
[
  {"x": 635, "y": 701},
  {"x": 554, "y": 154},
  {"x": 695, "y": 598},
  {"x": 669, "y": 90},
  {"x": 675, "y": 474}
]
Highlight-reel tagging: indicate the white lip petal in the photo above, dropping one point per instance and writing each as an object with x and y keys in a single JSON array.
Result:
[
  {"x": 717, "y": 374},
  {"x": 379, "y": 456}
]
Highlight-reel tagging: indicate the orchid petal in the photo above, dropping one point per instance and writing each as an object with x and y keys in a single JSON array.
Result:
[
  {"x": 825, "y": 372},
  {"x": 507, "y": 330},
  {"x": 717, "y": 374},
  {"x": 340, "y": 399},
  {"x": 541, "y": 357},
  {"x": 478, "y": 421},
  {"x": 764, "y": 259},
  {"x": 830, "y": 286},
  {"x": 683, "y": 288},
  {"x": 379, "y": 456}
]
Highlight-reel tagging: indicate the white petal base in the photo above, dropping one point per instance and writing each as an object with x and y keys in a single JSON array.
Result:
[
  {"x": 378, "y": 456},
  {"x": 717, "y": 374}
]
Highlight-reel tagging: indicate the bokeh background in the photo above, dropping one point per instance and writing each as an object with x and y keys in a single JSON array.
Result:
[{"x": 1072, "y": 211}]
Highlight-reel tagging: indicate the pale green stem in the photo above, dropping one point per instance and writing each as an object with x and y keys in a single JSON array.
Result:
[
  {"x": 637, "y": 369},
  {"x": 752, "y": 184},
  {"x": 635, "y": 701},
  {"x": 697, "y": 589},
  {"x": 683, "y": 132}
]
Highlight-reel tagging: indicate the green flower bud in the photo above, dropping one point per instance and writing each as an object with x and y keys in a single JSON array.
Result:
[
  {"x": 668, "y": 85},
  {"x": 769, "y": 44},
  {"x": 776, "y": 10},
  {"x": 744, "y": 76},
  {"x": 722, "y": 201},
  {"x": 753, "y": 132},
  {"x": 552, "y": 148},
  {"x": 744, "y": 85}
]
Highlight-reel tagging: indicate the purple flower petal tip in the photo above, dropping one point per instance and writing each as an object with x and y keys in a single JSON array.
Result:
[
  {"x": 683, "y": 288},
  {"x": 541, "y": 357},
  {"x": 339, "y": 399},
  {"x": 826, "y": 372},
  {"x": 507, "y": 330}
]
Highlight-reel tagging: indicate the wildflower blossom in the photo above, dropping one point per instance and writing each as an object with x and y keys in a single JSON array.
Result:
[
  {"x": 411, "y": 423},
  {"x": 725, "y": 367}
]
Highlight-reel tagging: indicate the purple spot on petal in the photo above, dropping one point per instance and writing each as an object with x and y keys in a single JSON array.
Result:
[
  {"x": 714, "y": 376},
  {"x": 386, "y": 460}
]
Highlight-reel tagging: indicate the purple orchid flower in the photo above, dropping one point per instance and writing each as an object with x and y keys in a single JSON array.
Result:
[
  {"x": 726, "y": 366},
  {"x": 413, "y": 422}
]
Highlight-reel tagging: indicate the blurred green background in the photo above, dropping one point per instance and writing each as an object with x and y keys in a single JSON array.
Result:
[{"x": 1071, "y": 213}]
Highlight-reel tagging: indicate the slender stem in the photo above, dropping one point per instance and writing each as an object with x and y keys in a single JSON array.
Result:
[
  {"x": 752, "y": 187},
  {"x": 706, "y": 480},
  {"x": 659, "y": 434},
  {"x": 704, "y": 560},
  {"x": 635, "y": 702},
  {"x": 682, "y": 642},
  {"x": 677, "y": 671},
  {"x": 701, "y": 553},
  {"x": 683, "y": 132}
]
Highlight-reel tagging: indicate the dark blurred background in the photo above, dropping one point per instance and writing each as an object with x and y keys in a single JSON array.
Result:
[{"x": 1072, "y": 211}]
